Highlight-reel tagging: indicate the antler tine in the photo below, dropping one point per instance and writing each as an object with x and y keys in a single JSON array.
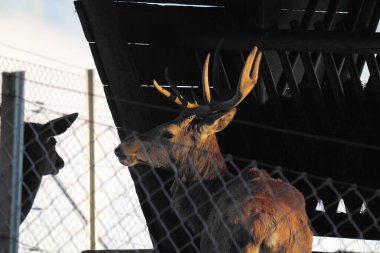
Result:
[
  {"x": 174, "y": 88},
  {"x": 167, "y": 93},
  {"x": 255, "y": 70},
  {"x": 205, "y": 81},
  {"x": 247, "y": 81},
  {"x": 248, "y": 76},
  {"x": 177, "y": 98}
]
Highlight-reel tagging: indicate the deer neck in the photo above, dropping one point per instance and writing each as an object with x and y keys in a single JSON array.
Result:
[
  {"x": 195, "y": 183},
  {"x": 31, "y": 184},
  {"x": 206, "y": 162}
]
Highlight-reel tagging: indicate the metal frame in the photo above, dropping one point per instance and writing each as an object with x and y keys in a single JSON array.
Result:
[{"x": 12, "y": 148}]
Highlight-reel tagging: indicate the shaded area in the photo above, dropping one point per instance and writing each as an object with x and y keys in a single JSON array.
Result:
[{"x": 309, "y": 112}]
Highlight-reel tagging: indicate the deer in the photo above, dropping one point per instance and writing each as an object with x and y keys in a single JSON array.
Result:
[
  {"x": 40, "y": 157},
  {"x": 252, "y": 212}
]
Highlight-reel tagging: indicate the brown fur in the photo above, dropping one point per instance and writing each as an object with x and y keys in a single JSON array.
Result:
[
  {"x": 269, "y": 210},
  {"x": 253, "y": 213}
]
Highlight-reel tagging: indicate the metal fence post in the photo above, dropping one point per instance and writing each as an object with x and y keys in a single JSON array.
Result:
[
  {"x": 91, "y": 132},
  {"x": 11, "y": 155}
]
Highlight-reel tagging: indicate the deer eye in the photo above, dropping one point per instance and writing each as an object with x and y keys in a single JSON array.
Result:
[{"x": 167, "y": 135}]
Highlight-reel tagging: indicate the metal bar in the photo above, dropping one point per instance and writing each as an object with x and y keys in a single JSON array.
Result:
[
  {"x": 355, "y": 77},
  {"x": 354, "y": 74},
  {"x": 307, "y": 17},
  {"x": 374, "y": 80},
  {"x": 373, "y": 69},
  {"x": 367, "y": 12},
  {"x": 294, "y": 56},
  {"x": 199, "y": 3},
  {"x": 269, "y": 81},
  {"x": 316, "y": 91},
  {"x": 270, "y": 88},
  {"x": 340, "y": 62},
  {"x": 356, "y": 10},
  {"x": 326, "y": 25},
  {"x": 336, "y": 87},
  {"x": 335, "y": 83},
  {"x": 323, "y": 26},
  {"x": 291, "y": 80},
  {"x": 374, "y": 22},
  {"x": 12, "y": 146},
  {"x": 92, "y": 171},
  {"x": 370, "y": 12},
  {"x": 330, "y": 14},
  {"x": 216, "y": 70},
  {"x": 283, "y": 40},
  {"x": 225, "y": 74}
]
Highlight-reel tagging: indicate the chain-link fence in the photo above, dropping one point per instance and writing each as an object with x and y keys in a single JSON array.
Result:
[
  {"x": 215, "y": 206},
  {"x": 59, "y": 218}
]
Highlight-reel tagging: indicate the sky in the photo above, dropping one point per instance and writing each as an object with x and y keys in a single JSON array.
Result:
[
  {"x": 48, "y": 33},
  {"x": 47, "y": 27}
]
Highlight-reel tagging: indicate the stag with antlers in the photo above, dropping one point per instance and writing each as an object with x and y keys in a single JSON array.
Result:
[{"x": 254, "y": 213}]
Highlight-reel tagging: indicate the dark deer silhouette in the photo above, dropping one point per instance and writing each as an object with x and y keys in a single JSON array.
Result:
[
  {"x": 40, "y": 156},
  {"x": 251, "y": 213}
]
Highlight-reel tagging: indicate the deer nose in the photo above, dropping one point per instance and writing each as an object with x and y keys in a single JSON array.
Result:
[
  {"x": 59, "y": 163},
  {"x": 119, "y": 151}
]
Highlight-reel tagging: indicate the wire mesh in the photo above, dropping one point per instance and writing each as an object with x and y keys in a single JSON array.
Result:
[{"x": 59, "y": 218}]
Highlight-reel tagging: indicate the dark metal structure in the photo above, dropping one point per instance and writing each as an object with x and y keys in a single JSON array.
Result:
[{"x": 310, "y": 111}]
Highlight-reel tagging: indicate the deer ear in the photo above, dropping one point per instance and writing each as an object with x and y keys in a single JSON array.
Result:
[
  {"x": 59, "y": 125},
  {"x": 217, "y": 122}
]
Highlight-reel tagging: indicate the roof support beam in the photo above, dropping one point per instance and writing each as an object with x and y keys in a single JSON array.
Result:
[{"x": 282, "y": 40}]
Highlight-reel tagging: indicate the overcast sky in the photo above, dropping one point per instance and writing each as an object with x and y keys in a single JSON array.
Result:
[{"x": 47, "y": 27}]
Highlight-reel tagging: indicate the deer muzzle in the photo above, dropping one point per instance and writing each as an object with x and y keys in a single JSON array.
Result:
[{"x": 129, "y": 154}]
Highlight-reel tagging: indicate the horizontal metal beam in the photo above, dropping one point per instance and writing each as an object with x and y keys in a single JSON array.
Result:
[
  {"x": 206, "y": 3},
  {"x": 283, "y": 40}
]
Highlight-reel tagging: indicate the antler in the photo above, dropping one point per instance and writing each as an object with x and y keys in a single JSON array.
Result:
[{"x": 248, "y": 79}]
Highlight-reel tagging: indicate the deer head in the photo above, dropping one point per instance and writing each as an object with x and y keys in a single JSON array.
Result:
[
  {"x": 40, "y": 153},
  {"x": 189, "y": 141}
]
